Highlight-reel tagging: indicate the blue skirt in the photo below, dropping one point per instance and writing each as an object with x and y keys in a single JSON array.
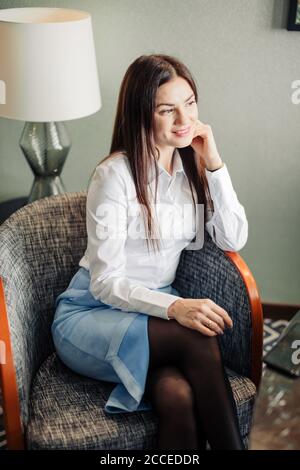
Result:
[{"x": 102, "y": 342}]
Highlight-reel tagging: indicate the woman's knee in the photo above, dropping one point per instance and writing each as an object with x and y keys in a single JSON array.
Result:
[
  {"x": 170, "y": 392},
  {"x": 175, "y": 344},
  {"x": 163, "y": 344},
  {"x": 204, "y": 355}
]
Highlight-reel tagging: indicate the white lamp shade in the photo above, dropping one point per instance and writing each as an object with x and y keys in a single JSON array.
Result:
[{"x": 48, "y": 69}]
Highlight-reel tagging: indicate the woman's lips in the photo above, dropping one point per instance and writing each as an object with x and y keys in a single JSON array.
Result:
[{"x": 183, "y": 133}]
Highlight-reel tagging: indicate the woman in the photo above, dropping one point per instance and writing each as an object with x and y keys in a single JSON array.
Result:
[{"x": 110, "y": 323}]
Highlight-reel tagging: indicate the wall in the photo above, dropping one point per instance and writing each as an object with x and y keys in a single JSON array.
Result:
[{"x": 244, "y": 61}]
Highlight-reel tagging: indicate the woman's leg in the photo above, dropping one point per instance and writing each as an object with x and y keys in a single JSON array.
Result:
[
  {"x": 199, "y": 359},
  {"x": 173, "y": 401}
]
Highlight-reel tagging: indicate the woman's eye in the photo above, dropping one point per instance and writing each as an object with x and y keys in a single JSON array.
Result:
[{"x": 168, "y": 111}]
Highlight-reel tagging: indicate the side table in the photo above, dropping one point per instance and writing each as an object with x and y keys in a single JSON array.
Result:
[{"x": 8, "y": 207}]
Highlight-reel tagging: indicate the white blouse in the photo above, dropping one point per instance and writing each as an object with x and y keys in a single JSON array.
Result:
[{"x": 123, "y": 273}]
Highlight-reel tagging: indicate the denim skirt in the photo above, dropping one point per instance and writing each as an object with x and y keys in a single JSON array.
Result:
[{"x": 102, "y": 342}]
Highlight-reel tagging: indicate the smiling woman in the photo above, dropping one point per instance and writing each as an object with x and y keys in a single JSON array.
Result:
[{"x": 112, "y": 322}]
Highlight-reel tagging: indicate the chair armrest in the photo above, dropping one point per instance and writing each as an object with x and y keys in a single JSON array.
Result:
[
  {"x": 10, "y": 398},
  {"x": 40, "y": 247},
  {"x": 256, "y": 312}
]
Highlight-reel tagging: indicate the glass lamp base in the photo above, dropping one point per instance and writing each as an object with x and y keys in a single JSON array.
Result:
[
  {"x": 45, "y": 146},
  {"x": 44, "y": 186}
]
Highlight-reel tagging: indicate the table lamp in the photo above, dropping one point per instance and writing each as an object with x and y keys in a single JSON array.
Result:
[{"x": 48, "y": 74}]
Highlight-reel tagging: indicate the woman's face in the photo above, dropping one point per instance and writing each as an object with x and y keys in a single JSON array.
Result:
[{"x": 175, "y": 110}]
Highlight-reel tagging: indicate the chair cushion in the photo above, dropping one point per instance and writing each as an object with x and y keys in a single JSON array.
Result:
[{"x": 66, "y": 411}]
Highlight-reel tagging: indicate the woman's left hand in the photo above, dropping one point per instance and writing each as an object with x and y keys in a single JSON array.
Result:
[{"x": 205, "y": 147}]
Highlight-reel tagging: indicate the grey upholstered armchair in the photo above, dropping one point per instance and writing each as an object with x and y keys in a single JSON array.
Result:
[{"x": 48, "y": 406}]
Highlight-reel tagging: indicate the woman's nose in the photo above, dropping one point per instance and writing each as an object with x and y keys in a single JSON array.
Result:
[{"x": 182, "y": 117}]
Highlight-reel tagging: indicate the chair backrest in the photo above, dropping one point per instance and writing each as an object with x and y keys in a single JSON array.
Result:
[{"x": 40, "y": 247}]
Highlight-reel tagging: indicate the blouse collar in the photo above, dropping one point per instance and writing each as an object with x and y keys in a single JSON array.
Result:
[{"x": 177, "y": 167}]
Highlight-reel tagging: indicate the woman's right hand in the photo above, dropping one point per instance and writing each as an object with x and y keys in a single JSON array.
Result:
[{"x": 203, "y": 315}]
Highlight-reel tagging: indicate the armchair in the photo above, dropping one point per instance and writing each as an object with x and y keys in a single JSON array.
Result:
[{"x": 48, "y": 406}]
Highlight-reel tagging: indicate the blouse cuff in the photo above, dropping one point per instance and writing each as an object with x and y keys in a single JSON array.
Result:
[
  {"x": 152, "y": 302},
  {"x": 220, "y": 187}
]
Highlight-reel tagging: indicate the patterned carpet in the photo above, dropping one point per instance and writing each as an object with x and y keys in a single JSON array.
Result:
[{"x": 272, "y": 331}]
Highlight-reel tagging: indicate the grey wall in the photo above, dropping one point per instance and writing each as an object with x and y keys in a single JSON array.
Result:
[{"x": 244, "y": 61}]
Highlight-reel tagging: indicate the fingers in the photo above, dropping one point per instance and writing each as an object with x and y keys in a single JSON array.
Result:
[
  {"x": 222, "y": 313},
  {"x": 216, "y": 313},
  {"x": 206, "y": 331},
  {"x": 209, "y": 324},
  {"x": 216, "y": 318},
  {"x": 197, "y": 322},
  {"x": 202, "y": 128},
  {"x": 203, "y": 315}
]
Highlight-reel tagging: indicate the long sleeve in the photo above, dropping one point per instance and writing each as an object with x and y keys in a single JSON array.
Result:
[
  {"x": 106, "y": 218},
  {"x": 228, "y": 225}
]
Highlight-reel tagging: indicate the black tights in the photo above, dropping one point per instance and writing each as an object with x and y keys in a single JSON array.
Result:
[{"x": 189, "y": 389}]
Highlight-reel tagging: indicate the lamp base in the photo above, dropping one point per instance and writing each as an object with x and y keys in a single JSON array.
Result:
[
  {"x": 45, "y": 146},
  {"x": 44, "y": 186}
]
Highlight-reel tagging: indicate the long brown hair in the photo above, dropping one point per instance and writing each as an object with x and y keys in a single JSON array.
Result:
[{"x": 133, "y": 130}]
